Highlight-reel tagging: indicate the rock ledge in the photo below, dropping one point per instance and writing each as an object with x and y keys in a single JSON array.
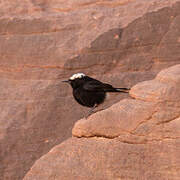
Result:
[{"x": 144, "y": 144}]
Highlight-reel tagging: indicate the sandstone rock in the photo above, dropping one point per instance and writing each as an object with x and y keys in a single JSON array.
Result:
[
  {"x": 163, "y": 88},
  {"x": 121, "y": 118},
  {"x": 108, "y": 159},
  {"x": 155, "y": 103},
  {"x": 121, "y": 42},
  {"x": 134, "y": 139}
]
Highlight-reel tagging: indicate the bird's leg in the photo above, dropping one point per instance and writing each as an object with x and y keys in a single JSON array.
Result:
[
  {"x": 94, "y": 107},
  {"x": 91, "y": 110}
]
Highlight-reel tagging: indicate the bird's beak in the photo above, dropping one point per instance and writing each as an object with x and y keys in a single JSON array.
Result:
[{"x": 66, "y": 81}]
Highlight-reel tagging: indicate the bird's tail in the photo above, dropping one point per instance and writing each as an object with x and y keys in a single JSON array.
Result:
[{"x": 124, "y": 90}]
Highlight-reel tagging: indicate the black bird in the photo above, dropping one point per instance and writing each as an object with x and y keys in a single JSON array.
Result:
[{"x": 90, "y": 92}]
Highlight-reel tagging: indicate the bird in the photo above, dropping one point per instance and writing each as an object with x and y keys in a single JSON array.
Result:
[{"x": 90, "y": 92}]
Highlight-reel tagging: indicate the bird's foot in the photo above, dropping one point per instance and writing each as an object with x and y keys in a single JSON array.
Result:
[
  {"x": 87, "y": 115},
  {"x": 91, "y": 111}
]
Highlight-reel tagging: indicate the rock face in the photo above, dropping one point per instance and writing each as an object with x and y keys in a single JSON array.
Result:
[
  {"x": 121, "y": 42},
  {"x": 136, "y": 138}
]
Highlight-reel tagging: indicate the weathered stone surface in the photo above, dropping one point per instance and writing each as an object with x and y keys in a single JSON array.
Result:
[
  {"x": 156, "y": 102},
  {"x": 121, "y": 42},
  {"x": 134, "y": 139},
  {"x": 121, "y": 118},
  {"x": 108, "y": 159},
  {"x": 165, "y": 88}
]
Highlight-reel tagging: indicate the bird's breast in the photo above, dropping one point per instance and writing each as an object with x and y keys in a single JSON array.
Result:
[{"x": 88, "y": 98}]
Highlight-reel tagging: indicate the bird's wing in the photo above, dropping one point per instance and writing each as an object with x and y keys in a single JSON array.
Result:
[{"x": 97, "y": 86}]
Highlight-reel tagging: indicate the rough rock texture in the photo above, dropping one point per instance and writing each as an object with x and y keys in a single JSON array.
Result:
[
  {"x": 41, "y": 42},
  {"x": 134, "y": 139}
]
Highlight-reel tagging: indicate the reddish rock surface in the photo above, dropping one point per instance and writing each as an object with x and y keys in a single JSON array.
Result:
[
  {"x": 156, "y": 102},
  {"x": 121, "y": 42},
  {"x": 134, "y": 139}
]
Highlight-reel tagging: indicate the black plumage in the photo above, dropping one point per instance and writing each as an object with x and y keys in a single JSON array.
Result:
[{"x": 90, "y": 92}]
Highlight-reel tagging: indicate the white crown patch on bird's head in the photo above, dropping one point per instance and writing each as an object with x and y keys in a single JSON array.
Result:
[{"x": 77, "y": 75}]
